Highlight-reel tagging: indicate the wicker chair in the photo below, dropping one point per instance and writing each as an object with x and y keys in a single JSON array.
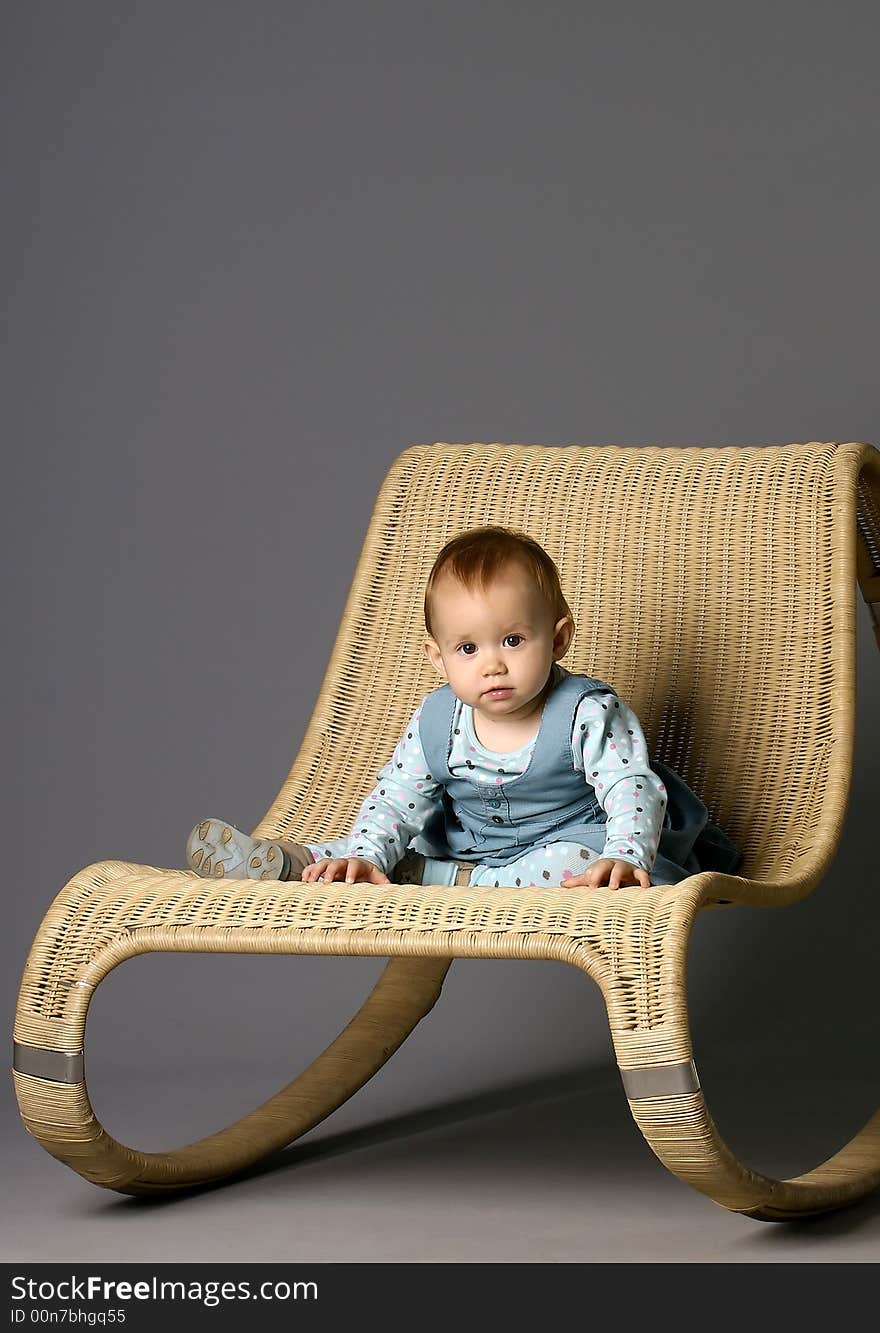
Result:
[{"x": 714, "y": 588}]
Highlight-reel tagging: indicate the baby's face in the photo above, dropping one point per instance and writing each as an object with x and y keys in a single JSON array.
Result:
[{"x": 501, "y": 636}]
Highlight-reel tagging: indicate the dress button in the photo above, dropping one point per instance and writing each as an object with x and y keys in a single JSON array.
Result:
[
  {"x": 496, "y": 819},
  {"x": 494, "y": 802}
]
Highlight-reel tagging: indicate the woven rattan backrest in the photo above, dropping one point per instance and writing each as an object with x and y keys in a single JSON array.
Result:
[{"x": 713, "y": 588}]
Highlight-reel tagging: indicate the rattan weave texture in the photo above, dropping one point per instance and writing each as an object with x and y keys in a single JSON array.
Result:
[{"x": 715, "y": 588}]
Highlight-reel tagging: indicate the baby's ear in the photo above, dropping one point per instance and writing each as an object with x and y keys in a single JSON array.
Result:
[
  {"x": 563, "y": 634},
  {"x": 432, "y": 652}
]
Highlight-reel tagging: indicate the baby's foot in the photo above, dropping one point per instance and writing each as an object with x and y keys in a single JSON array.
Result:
[{"x": 215, "y": 849}]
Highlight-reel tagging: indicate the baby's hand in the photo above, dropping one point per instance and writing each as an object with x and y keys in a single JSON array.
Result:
[
  {"x": 349, "y": 868},
  {"x": 618, "y": 874}
]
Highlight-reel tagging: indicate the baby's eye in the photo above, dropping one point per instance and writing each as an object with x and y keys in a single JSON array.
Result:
[{"x": 463, "y": 646}]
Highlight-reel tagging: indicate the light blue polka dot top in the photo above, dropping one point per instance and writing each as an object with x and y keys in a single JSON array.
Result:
[{"x": 397, "y": 808}]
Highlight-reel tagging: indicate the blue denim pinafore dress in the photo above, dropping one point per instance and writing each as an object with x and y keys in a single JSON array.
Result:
[{"x": 493, "y": 823}]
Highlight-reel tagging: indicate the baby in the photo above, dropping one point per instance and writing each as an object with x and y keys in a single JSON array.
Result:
[{"x": 516, "y": 769}]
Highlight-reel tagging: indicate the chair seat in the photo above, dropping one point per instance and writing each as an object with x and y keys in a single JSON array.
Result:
[{"x": 111, "y": 905}]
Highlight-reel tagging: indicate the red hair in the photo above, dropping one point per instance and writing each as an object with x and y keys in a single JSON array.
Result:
[{"x": 477, "y": 556}]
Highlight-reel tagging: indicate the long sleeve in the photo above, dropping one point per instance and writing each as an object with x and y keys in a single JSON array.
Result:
[
  {"x": 609, "y": 745},
  {"x": 398, "y": 807}
]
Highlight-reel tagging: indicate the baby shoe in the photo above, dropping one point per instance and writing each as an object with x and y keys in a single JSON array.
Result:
[{"x": 215, "y": 849}]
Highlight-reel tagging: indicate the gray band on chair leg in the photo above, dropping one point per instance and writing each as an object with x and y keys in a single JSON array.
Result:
[
  {"x": 660, "y": 1080},
  {"x": 41, "y": 1062}
]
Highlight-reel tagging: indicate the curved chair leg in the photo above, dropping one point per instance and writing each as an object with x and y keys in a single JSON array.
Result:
[
  {"x": 632, "y": 942},
  {"x": 50, "y": 1079},
  {"x": 647, "y": 1010}
]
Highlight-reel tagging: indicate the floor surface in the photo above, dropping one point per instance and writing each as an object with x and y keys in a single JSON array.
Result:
[{"x": 552, "y": 1171}]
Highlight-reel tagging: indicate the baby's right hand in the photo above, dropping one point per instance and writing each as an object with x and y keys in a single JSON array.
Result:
[{"x": 350, "y": 868}]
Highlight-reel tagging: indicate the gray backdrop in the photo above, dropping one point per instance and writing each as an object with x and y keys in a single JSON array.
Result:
[{"x": 252, "y": 252}]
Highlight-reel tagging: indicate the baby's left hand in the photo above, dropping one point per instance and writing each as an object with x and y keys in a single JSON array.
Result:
[{"x": 618, "y": 875}]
